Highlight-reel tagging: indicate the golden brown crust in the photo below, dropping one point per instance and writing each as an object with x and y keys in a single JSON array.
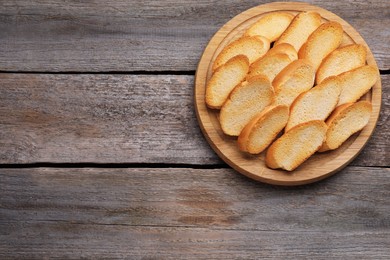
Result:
[
  {"x": 267, "y": 135},
  {"x": 235, "y": 115},
  {"x": 296, "y": 78},
  {"x": 289, "y": 151},
  {"x": 362, "y": 108},
  {"x": 285, "y": 74},
  {"x": 300, "y": 28},
  {"x": 357, "y": 82},
  {"x": 332, "y": 117},
  {"x": 216, "y": 100},
  {"x": 321, "y": 42},
  {"x": 269, "y": 65},
  {"x": 343, "y": 59},
  {"x": 285, "y": 48},
  {"x": 242, "y": 140},
  {"x": 244, "y": 136},
  {"x": 316, "y": 107},
  {"x": 271, "y": 25},
  {"x": 253, "y": 47}
]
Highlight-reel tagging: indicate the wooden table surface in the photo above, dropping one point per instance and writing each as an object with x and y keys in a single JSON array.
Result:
[{"x": 102, "y": 156}]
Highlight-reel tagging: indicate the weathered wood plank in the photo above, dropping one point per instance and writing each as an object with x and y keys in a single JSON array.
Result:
[
  {"x": 152, "y": 36},
  {"x": 181, "y": 213},
  {"x": 48, "y": 240},
  {"x": 119, "y": 119}
]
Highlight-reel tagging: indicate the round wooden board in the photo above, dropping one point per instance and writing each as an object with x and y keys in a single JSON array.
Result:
[{"x": 317, "y": 167}]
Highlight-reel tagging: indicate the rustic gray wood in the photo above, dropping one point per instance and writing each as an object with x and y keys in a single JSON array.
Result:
[
  {"x": 191, "y": 213},
  {"x": 153, "y": 35},
  {"x": 119, "y": 119},
  {"x": 159, "y": 213}
]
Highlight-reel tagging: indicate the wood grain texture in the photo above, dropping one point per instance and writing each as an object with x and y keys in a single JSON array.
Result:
[
  {"x": 171, "y": 213},
  {"x": 120, "y": 119},
  {"x": 153, "y": 36},
  {"x": 191, "y": 213}
]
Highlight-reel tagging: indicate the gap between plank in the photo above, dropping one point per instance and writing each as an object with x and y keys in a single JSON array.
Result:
[
  {"x": 133, "y": 165},
  {"x": 135, "y": 72},
  {"x": 112, "y": 165},
  {"x": 195, "y": 226}
]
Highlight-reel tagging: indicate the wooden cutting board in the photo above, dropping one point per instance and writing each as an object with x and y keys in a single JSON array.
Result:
[{"x": 317, "y": 167}]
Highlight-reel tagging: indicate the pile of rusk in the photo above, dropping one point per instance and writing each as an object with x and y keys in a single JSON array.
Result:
[{"x": 262, "y": 91}]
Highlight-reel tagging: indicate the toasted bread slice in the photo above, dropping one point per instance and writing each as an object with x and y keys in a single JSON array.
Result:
[
  {"x": 263, "y": 129},
  {"x": 284, "y": 48},
  {"x": 357, "y": 82},
  {"x": 294, "y": 79},
  {"x": 321, "y": 42},
  {"x": 315, "y": 104},
  {"x": 269, "y": 66},
  {"x": 341, "y": 60},
  {"x": 271, "y": 25},
  {"x": 296, "y": 145},
  {"x": 246, "y": 101},
  {"x": 253, "y": 47},
  {"x": 299, "y": 29},
  {"x": 225, "y": 78},
  {"x": 346, "y": 120}
]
